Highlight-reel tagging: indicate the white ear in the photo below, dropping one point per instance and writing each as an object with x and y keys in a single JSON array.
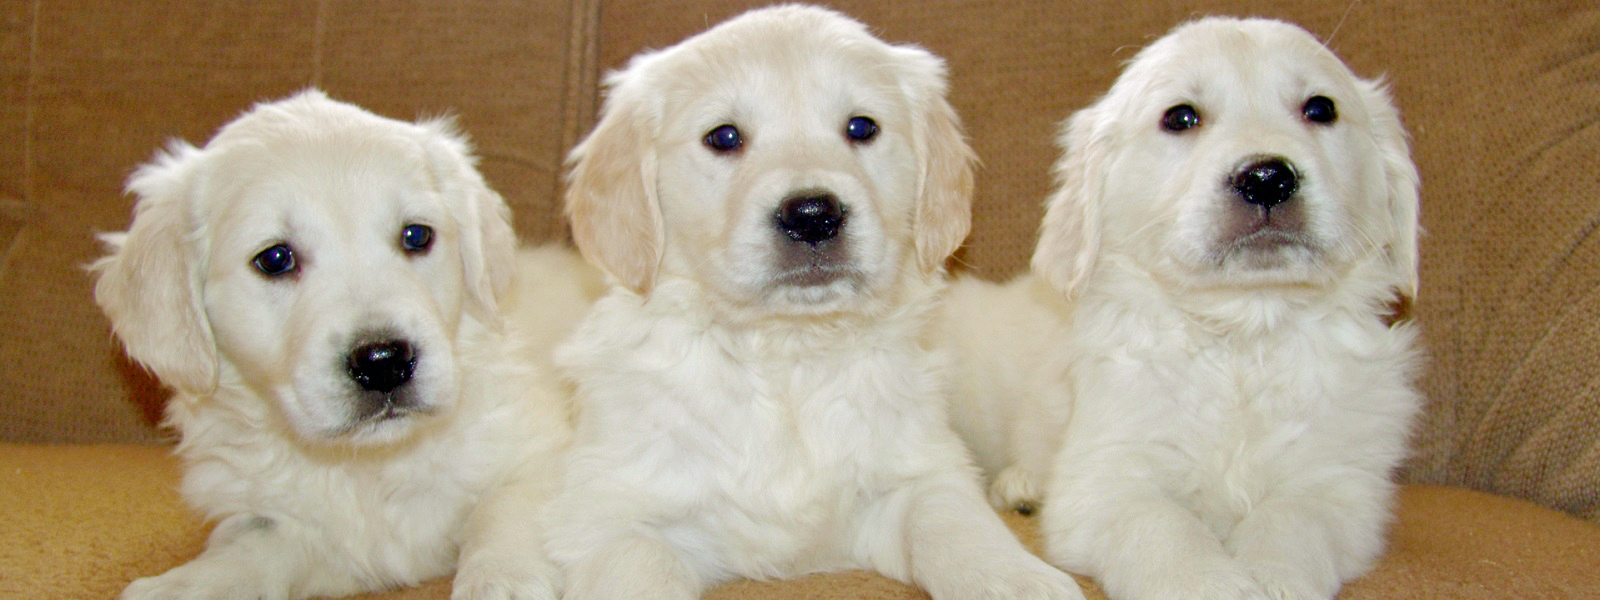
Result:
[
  {"x": 1069, "y": 235},
  {"x": 488, "y": 242},
  {"x": 1400, "y": 175},
  {"x": 150, "y": 283},
  {"x": 611, "y": 194},
  {"x": 944, "y": 193}
]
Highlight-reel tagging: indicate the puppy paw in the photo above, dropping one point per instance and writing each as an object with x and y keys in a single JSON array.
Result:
[
  {"x": 1048, "y": 584},
  {"x": 505, "y": 579},
  {"x": 1014, "y": 489},
  {"x": 503, "y": 589},
  {"x": 1280, "y": 591},
  {"x": 1211, "y": 584},
  {"x": 1280, "y": 584},
  {"x": 1011, "y": 580},
  {"x": 182, "y": 584}
]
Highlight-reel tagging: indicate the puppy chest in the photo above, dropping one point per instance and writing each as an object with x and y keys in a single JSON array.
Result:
[
  {"x": 786, "y": 454},
  {"x": 761, "y": 491},
  {"x": 1234, "y": 427},
  {"x": 777, "y": 470}
]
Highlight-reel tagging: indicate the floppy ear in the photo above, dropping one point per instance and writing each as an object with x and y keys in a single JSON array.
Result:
[
  {"x": 1069, "y": 235},
  {"x": 488, "y": 243},
  {"x": 943, "y": 214},
  {"x": 150, "y": 283},
  {"x": 611, "y": 188},
  {"x": 1401, "y": 183}
]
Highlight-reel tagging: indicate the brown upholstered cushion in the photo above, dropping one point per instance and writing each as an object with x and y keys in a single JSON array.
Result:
[
  {"x": 83, "y": 521},
  {"x": 1507, "y": 139}
]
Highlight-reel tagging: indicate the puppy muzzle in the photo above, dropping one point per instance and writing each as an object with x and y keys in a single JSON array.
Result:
[
  {"x": 810, "y": 217},
  {"x": 813, "y": 249},
  {"x": 1264, "y": 213},
  {"x": 382, "y": 367},
  {"x": 1266, "y": 182}
]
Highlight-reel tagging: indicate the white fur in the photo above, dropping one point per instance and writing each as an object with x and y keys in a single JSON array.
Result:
[
  {"x": 735, "y": 424},
  {"x": 1201, "y": 424},
  {"x": 309, "y": 497}
]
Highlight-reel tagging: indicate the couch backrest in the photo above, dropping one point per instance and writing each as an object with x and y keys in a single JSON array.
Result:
[{"x": 1502, "y": 101}]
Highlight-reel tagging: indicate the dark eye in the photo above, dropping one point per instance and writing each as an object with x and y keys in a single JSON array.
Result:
[
  {"x": 725, "y": 138},
  {"x": 416, "y": 238},
  {"x": 1319, "y": 109},
  {"x": 860, "y": 129},
  {"x": 275, "y": 261},
  {"x": 1180, "y": 118}
]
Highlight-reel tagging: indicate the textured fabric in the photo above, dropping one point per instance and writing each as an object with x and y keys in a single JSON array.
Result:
[
  {"x": 83, "y": 521},
  {"x": 1511, "y": 286}
]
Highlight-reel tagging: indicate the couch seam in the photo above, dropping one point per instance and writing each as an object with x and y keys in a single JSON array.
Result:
[
  {"x": 319, "y": 32},
  {"x": 31, "y": 104},
  {"x": 30, "y": 109},
  {"x": 581, "y": 83}
]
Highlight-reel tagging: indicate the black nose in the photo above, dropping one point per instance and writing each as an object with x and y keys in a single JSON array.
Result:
[
  {"x": 382, "y": 366},
  {"x": 810, "y": 217},
  {"x": 1266, "y": 183}
]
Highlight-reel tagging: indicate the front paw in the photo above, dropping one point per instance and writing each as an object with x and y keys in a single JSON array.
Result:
[
  {"x": 1028, "y": 579},
  {"x": 1285, "y": 584},
  {"x": 1223, "y": 582},
  {"x": 506, "y": 578},
  {"x": 187, "y": 582}
]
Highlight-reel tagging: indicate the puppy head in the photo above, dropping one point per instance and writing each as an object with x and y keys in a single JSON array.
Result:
[
  {"x": 1235, "y": 152},
  {"x": 319, "y": 255},
  {"x": 784, "y": 159}
]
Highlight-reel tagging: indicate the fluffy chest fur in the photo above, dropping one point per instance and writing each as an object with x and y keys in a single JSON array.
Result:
[
  {"x": 398, "y": 509},
  {"x": 757, "y": 449},
  {"x": 1222, "y": 415}
]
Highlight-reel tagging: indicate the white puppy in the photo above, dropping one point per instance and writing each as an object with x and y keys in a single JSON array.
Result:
[
  {"x": 1199, "y": 376},
  {"x": 774, "y": 199},
  {"x": 320, "y": 286}
]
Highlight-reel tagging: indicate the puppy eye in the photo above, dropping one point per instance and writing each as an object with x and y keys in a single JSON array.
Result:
[
  {"x": 1319, "y": 109},
  {"x": 725, "y": 138},
  {"x": 860, "y": 129},
  {"x": 1180, "y": 118},
  {"x": 416, "y": 238},
  {"x": 275, "y": 261}
]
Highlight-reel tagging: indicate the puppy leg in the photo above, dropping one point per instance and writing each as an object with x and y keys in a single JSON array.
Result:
[
  {"x": 961, "y": 550},
  {"x": 1138, "y": 542},
  {"x": 631, "y": 566},
  {"x": 502, "y": 553},
  {"x": 1303, "y": 545},
  {"x": 248, "y": 557}
]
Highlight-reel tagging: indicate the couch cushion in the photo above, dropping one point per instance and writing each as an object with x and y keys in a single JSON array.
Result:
[
  {"x": 1510, "y": 302},
  {"x": 83, "y": 521}
]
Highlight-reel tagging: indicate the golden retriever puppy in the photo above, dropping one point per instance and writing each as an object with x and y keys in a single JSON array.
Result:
[
  {"x": 1198, "y": 379},
  {"x": 321, "y": 287},
  {"x": 774, "y": 200}
]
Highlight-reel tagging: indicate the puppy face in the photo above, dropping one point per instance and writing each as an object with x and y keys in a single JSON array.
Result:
[
  {"x": 1235, "y": 152},
  {"x": 785, "y": 159},
  {"x": 324, "y": 255}
]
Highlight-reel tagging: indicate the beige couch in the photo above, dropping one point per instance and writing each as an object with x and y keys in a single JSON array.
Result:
[{"x": 1502, "y": 99}]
